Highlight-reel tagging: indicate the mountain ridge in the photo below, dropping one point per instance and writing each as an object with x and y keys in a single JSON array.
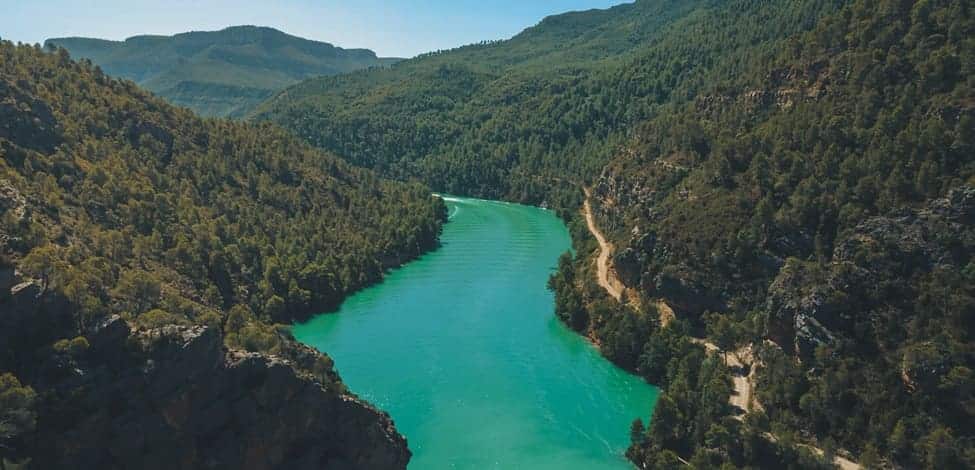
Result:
[{"x": 218, "y": 73}]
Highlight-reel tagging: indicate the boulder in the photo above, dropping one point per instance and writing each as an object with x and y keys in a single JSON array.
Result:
[{"x": 799, "y": 306}]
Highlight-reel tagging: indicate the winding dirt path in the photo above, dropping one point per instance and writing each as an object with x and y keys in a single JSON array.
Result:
[
  {"x": 736, "y": 360},
  {"x": 667, "y": 314},
  {"x": 743, "y": 397},
  {"x": 604, "y": 274}
]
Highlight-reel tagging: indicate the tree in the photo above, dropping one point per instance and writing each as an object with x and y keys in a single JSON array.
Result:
[
  {"x": 44, "y": 263},
  {"x": 140, "y": 289},
  {"x": 940, "y": 449},
  {"x": 237, "y": 318},
  {"x": 17, "y": 416},
  {"x": 722, "y": 330},
  {"x": 869, "y": 458},
  {"x": 665, "y": 422},
  {"x": 275, "y": 307},
  {"x": 78, "y": 346}
]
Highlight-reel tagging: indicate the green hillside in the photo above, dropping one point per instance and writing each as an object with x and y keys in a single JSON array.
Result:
[
  {"x": 793, "y": 176},
  {"x": 492, "y": 119},
  {"x": 117, "y": 208},
  {"x": 220, "y": 73}
]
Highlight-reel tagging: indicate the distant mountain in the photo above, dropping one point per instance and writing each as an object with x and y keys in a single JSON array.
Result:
[{"x": 219, "y": 73}]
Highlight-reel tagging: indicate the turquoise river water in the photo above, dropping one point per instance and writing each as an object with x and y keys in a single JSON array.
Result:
[{"x": 463, "y": 349}]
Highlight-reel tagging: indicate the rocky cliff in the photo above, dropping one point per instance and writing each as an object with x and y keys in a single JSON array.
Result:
[
  {"x": 175, "y": 397},
  {"x": 646, "y": 260},
  {"x": 870, "y": 276}
]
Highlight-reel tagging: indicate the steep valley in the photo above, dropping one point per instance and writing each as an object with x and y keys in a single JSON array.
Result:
[
  {"x": 770, "y": 214},
  {"x": 791, "y": 176}
]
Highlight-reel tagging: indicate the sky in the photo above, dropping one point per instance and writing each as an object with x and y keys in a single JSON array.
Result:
[{"x": 392, "y": 28}]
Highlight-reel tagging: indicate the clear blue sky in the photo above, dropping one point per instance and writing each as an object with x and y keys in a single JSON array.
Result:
[{"x": 400, "y": 28}]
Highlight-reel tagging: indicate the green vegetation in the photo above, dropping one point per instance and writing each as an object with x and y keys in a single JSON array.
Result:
[
  {"x": 140, "y": 205},
  {"x": 218, "y": 73},
  {"x": 113, "y": 202},
  {"x": 17, "y": 416},
  {"x": 789, "y": 171},
  {"x": 505, "y": 119},
  {"x": 817, "y": 156},
  {"x": 794, "y": 176}
]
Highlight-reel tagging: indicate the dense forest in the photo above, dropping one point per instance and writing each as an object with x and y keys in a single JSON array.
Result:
[
  {"x": 115, "y": 204},
  {"x": 823, "y": 201},
  {"x": 791, "y": 176},
  {"x": 218, "y": 73},
  {"x": 503, "y": 119},
  {"x": 795, "y": 180}
]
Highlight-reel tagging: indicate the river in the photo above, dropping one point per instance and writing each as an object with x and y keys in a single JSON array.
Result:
[{"x": 463, "y": 349}]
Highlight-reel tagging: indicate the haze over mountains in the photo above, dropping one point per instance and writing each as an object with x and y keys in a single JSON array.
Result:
[{"x": 218, "y": 73}]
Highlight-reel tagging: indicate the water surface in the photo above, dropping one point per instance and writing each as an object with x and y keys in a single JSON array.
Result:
[{"x": 462, "y": 348}]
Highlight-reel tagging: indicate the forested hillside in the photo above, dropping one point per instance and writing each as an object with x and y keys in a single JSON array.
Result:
[
  {"x": 823, "y": 201},
  {"x": 500, "y": 119},
  {"x": 125, "y": 217},
  {"x": 793, "y": 178},
  {"x": 218, "y": 73}
]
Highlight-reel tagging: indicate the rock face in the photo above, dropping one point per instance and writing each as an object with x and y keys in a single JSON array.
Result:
[
  {"x": 628, "y": 206},
  {"x": 809, "y": 305},
  {"x": 684, "y": 290},
  {"x": 802, "y": 308},
  {"x": 175, "y": 398},
  {"x": 14, "y": 210},
  {"x": 28, "y": 317}
]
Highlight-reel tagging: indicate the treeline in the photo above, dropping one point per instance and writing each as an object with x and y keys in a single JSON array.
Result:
[{"x": 120, "y": 204}]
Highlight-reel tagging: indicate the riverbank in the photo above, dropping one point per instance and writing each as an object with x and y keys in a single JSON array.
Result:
[
  {"x": 464, "y": 336},
  {"x": 741, "y": 362}
]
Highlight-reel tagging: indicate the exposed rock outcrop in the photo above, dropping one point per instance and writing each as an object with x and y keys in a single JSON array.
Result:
[
  {"x": 801, "y": 309},
  {"x": 809, "y": 305},
  {"x": 13, "y": 212},
  {"x": 685, "y": 291},
  {"x": 645, "y": 261},
  {"x": 176, "y": 398},
  {"x": 28, "y": 317}
]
